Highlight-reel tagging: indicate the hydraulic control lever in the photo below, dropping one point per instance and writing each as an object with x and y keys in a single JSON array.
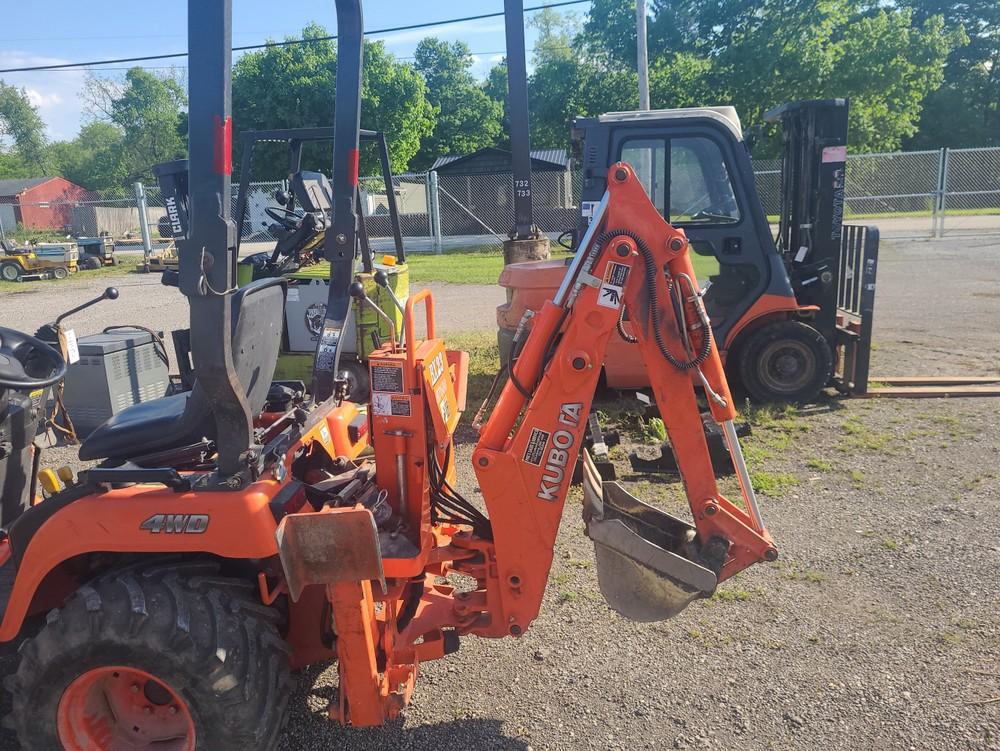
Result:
[{"x": 382, "y": 280}]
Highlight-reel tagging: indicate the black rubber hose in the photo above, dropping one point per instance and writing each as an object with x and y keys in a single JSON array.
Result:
[{"x": 651, "y": 273}]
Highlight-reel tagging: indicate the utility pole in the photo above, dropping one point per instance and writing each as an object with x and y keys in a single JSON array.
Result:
[
  {"x": 642, "y": 55},
  {"x": 526, "y": 242}
]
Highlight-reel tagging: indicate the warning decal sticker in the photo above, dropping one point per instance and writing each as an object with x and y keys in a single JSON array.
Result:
[
  {"x": 535, "y": 449},
  {"x": 387, "y": 377},
  {"x": 391, "y": 405},
  {"x": 613, "y": 286}
]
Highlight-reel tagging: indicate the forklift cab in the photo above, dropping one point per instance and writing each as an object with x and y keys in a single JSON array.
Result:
[
  {"x": 790, "y": 314},
  {"x": 696, "y": 168}
]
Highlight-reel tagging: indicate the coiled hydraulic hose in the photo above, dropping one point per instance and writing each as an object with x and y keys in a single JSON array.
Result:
[{"x": 651, "y": 272}]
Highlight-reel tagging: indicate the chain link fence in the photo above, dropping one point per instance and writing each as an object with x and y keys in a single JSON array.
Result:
[{"x": 917, "y": 194}]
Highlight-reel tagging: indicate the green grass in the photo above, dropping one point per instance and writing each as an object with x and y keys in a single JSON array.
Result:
[
  {"x": 772, "y": 483},
  {"x": 126, "y": 265},
  {"x": 25, "y": 235},
  {"x": 821, "y": 464},
  {"x": 463, "y": 266},
  {"x": 484, "y": 362}
]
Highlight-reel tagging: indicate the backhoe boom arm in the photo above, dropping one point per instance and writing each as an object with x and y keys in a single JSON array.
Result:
[{"x": 528, "y": 448}]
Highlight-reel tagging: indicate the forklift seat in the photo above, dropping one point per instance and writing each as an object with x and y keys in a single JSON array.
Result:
[{"x": 185, "y": 419}]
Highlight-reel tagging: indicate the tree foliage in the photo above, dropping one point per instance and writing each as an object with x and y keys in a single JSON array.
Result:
[
  {"x": 965, "y": 111},
  {"x": 21, "y": 123},
  {"x": 467, "y": 118},
  {"x": 94, "y": 158},
  {"x": 753, "y": 54},
  {"x": 295, "y": 85},
  {"x": 147, "y": 110}
]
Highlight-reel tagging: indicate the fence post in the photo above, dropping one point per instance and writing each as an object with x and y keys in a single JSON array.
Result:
[
  {"x": 140, "y": 203},
  {"x": 937, "y": 219},
  {"x": 434, "y": 211},
  {"x": 945, "y": 159}
]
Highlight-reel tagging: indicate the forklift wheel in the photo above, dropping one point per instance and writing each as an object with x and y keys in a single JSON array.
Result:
[
  {"x": 167, "y": 655},
  {"x": 11, "y": 272},
  {"x": 787, "y": 361}
]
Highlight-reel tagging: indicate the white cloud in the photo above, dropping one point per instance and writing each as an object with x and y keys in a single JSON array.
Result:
[
  {"x": 56, "y": 93},
  {"x": 41, "y": 100}
]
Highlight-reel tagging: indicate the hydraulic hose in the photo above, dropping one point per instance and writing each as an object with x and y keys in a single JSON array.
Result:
[{"x": 651, "y": 290}]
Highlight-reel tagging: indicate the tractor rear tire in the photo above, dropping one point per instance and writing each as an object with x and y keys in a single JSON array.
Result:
[
  {"x": 784, "y": 362},
  {"x": 11, "y": 271},
  {"x": 170, "y": 654}
]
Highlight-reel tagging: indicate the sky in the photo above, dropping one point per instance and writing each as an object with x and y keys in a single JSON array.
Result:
[{"x": 57, "y": 31}]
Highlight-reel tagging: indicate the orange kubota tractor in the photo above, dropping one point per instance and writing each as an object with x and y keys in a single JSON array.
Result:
[{"x": 233, "y": 533}]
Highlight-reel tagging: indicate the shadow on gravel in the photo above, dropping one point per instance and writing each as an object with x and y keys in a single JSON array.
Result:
[{"x": 309, "y": 728}]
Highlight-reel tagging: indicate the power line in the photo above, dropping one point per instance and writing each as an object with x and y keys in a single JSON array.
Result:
[{"x": 286, "y": 43}]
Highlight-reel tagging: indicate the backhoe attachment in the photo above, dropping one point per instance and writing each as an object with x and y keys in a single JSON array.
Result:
[{"x": 630, "y": 264}]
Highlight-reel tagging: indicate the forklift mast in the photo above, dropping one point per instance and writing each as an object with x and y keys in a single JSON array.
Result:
[{"x": 810, "y": 227}]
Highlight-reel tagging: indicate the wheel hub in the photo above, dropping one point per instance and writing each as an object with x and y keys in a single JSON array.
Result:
[
  {"x": 123, "y": 709},
  {"x": 786, "y": 366}
]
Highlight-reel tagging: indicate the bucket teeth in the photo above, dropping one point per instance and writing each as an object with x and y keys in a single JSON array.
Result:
[{"x": 644, "y": 556}]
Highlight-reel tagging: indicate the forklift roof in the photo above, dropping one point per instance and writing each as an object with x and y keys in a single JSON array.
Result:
[{"x": 726, "y": 115}]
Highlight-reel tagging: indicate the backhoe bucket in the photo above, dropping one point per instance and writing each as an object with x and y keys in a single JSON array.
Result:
[{"x": 644, "y": 566}]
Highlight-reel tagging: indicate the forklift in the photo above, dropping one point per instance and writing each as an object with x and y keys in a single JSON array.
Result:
[
  {"x": 230, "y": 534},
  {"x": 299, "y": 219},
  {"x": 791, "y": 315}
]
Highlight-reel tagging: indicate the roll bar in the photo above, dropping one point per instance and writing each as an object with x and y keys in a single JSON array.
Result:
[
  {"x": 207, "y": 268},
  {"x": 339, "y": 245}
]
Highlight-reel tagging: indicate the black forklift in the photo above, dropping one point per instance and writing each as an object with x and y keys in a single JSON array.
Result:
[{"x": 792, "y": 314}]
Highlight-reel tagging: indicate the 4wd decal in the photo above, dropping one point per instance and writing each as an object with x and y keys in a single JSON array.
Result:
[
  {"x": 560, "y": 455},
  {"x": 188, "y": 524}
]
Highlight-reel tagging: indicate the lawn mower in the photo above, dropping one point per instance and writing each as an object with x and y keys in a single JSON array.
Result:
[{"x": 232, "y": 533}]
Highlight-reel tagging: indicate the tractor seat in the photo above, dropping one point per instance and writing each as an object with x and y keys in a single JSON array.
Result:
[{"x": 184, "y": 419}]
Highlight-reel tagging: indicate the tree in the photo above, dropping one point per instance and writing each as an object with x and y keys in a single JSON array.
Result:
[
  {"x": 295, "y": 86},
  {"x": 19, "y": 120},
  {"x": 148, "y": 110},
  {"x": 93, "y": 158},
  {"x": 468, "y": 119},
  {"x": 965, "y": 111},
  {"x": 754, "y": 54}
]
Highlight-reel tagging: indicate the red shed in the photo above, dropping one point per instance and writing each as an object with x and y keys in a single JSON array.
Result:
[{"x": 43, "y": 202}]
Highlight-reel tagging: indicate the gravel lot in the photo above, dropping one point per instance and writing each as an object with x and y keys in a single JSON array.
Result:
[{"x": 877, "y": 628}]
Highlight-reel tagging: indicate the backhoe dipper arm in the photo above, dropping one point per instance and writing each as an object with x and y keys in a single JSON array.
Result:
[{"x": 527, "y": 450}]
